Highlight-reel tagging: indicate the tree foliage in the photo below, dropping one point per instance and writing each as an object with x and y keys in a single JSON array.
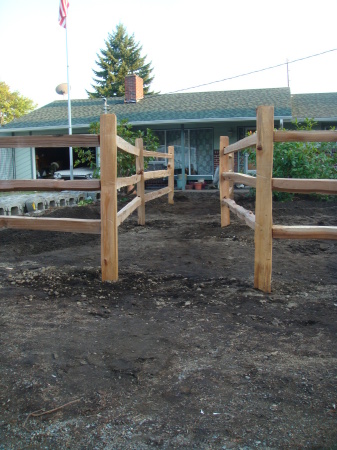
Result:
[
  {"x": 12, "y": 104},
  {"x": 121, "y": 57},
  {"x": 302, "y": 159},
  {"x": 126, "y": 163}
]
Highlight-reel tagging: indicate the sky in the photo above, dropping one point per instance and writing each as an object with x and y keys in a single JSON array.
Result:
[{"x": 189, "y": 43}]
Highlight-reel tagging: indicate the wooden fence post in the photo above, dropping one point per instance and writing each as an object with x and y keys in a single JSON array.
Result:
[
  {"x": 141, "y": 183},
  {"x": 264, "y": 198},
  {"x": 231, "y": 164},
  {"x": 224, "y": 184},
  {"x": 171, "y": 176},
  {"x": 109, "y": 226}
]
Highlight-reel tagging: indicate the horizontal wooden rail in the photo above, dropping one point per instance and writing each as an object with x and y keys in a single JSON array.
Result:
[
  {"x": 110, "y": 143},
  {"x": 240, "y": 178},
  {"x": 302, "y": 186},
  {"x": 50, "y": 185},
  {"x": 156, "y": 174},
  {"x": 57, "y": 141},
  {"x": 51, "y": 224},
  {"x": 149, "y": 153},
  {"x": 155, "y": 194},
  {"x": 241, "y": 212},
  {"x": 305, "y": 136},
  {"x": 128, "y": 209},
  {"x": 128, "y": 181},
  {"x": 304, "y": 232},
  {"x": 247, "y": 142},
  {"x": 126, "y": 146}
]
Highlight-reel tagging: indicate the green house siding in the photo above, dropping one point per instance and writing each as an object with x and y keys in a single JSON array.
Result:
[
  {"x": 23, "y": 164},
  {"x": 6, "y": 164}
]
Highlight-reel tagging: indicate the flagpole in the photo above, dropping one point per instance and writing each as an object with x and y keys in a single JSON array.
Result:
[{"x": 71, "y": 162}]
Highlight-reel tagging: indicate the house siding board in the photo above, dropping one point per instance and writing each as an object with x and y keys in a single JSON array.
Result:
[
  {"x": 6, "y": 164},
  {"x": 23, "y": 164}
]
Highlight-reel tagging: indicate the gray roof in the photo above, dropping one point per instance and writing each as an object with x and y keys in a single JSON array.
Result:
[
  {"x": 315, "y": 106},
  {"x": 167, "y": 108}
]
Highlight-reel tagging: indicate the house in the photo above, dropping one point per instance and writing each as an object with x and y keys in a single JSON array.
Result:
[{"x": 192, "y": 122}]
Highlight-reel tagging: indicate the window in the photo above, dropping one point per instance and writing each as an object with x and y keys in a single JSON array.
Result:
[{"x": 198, "y": 148}]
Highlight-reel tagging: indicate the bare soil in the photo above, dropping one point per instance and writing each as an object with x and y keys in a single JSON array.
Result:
[{"x": 181, "y": 352}]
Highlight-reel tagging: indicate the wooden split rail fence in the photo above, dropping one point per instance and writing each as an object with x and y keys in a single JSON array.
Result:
[
  {"x": 261, "y": 222},
  {"x": 108, "y": 185}
]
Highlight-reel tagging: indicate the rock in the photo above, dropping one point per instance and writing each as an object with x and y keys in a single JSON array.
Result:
[{"x": 292, "y": 305}]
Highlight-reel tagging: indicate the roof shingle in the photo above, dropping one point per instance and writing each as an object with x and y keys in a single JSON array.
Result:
[{"x": 188, "y": 107}]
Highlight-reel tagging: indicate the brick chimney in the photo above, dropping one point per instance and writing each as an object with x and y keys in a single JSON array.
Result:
[{"x": 133, "y": 89}]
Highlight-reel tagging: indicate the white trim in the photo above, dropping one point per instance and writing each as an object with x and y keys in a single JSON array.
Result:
[{"x": 33, "y": 156}]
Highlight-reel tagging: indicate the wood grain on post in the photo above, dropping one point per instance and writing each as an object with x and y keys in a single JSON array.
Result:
[
  {"x": 141, "y": 183},
  {"x": 263, "y": 206},
  {"x": 171, "y": 176},
  {"x": 231, "y": 169},
  {"x": 109, "y": 225},
  {"x": 224, "y": 184}
]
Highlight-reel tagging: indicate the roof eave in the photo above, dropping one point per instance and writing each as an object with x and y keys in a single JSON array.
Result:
[
  {"x": 208, "y": 120},
  {"x": 143, "y": 123},
  {"x": 58, "y": 127},
  {"x": 318, "y": 119}
]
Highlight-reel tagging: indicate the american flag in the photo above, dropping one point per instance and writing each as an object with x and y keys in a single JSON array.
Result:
[{"x": 64, "y": 5}]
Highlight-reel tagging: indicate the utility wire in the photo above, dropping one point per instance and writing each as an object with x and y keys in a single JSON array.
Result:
[{"x": 254, "y": 71}]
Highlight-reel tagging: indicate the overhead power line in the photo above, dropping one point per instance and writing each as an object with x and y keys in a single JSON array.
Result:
[{"x": 254, "y": 71}]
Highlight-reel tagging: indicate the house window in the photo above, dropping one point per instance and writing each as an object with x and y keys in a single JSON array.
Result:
[
  {"x": 242, "y": 164},
  {"x": 198, "y": 147}
]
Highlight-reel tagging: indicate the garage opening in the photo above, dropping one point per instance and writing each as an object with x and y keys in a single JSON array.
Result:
[{"x": 50, "y": 160}]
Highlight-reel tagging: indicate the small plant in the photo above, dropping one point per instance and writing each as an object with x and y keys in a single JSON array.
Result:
[{"x": 86, "y": 201}]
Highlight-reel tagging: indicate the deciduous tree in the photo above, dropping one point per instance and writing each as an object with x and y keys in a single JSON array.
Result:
[{"x": 12, "y": 104}]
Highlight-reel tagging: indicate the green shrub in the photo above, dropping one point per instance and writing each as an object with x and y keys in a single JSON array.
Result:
[{"x": 302, "y": 159}]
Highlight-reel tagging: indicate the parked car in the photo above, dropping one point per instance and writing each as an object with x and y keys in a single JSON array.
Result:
[{"x": 79, "y": 173}]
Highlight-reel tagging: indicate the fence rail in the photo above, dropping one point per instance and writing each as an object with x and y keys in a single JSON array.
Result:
[
  {"x": 264, "y": 229},
  {"x": 50, "y": 185},
  {"x": 109, "y": 184},
  {"x": 56, "y": 141}
]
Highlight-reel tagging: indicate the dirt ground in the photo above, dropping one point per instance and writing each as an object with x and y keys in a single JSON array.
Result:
[{"x": 181, "y": 352}]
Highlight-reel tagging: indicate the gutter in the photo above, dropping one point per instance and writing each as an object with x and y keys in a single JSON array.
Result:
[
  {"x": 142, "y": 123},
  {"x": 320, "y": 119},
  {"x": 19, "y": 130}
]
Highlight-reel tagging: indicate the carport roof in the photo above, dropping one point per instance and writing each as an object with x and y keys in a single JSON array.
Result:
[{"x": 160, "y": 109}]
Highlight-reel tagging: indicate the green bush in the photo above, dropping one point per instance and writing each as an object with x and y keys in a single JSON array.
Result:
[{"x": 302, "y": 159}]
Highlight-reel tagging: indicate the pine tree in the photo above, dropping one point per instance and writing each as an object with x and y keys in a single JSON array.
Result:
[{"x": 121, "y": 57}]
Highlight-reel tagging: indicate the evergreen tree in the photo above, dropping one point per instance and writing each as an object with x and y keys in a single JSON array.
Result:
[{"x": 121, "y": 57}]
